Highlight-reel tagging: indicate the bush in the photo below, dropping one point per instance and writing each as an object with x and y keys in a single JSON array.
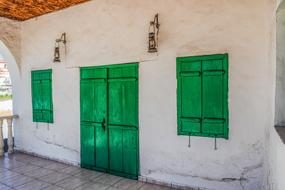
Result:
[{"x": 5, "y": 97}]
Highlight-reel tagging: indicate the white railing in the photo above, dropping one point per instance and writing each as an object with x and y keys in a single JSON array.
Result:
[{"x": 9, "y": 120}]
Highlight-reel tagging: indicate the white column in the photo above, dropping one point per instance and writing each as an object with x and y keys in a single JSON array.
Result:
[
  {"x": 10, "y": 135},
  {"x": 1, "y": 138}
]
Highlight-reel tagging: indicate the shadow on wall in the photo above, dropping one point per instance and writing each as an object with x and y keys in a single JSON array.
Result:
[{"x": 280, "y": 66}]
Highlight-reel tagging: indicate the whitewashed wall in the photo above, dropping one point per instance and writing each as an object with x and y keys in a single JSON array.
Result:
[
  {"x": 277, "y": 163},
  {"x": 109, "y": 32},
  {"x": 280, "y": 67},
  {"x": 276, "y": 153}
]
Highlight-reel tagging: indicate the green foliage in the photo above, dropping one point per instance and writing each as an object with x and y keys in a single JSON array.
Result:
[{"x": 5, "y": 97}]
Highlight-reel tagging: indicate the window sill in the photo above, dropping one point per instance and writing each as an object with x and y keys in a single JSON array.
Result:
[{"x": 280, "y": 129}]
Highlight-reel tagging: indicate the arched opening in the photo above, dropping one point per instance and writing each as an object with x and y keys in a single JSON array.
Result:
[
  {"x": 9, "y": 80},
  {"x": 6, "y": 105}
]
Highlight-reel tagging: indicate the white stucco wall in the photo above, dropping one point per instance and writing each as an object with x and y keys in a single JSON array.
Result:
[
  {"x": 280, "y": 64},
  {"x": 277, "y": 163},
  {"x": 109, "y": 32},
  {"x": 276, "y": 148}
]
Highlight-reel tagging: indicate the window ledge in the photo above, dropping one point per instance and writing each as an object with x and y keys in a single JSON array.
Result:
[{"x": 281, "y": 131}]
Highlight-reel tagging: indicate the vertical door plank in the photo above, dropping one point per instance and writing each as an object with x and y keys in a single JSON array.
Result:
[{"x": 87, "y": 145}]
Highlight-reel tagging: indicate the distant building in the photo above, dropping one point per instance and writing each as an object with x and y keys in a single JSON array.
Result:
[{"x": 5, "y": 81}]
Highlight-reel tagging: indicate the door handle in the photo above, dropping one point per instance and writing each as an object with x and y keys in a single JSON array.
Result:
[{"x": 103, "y": 124}]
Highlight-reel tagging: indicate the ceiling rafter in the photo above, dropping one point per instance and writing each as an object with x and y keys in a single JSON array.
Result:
[{"x": 25, "y": 9}]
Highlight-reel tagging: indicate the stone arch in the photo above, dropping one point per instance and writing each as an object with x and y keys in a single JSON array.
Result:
[
  {"x": 13, "y": 69},
  {"x": 11, "y": 62}
]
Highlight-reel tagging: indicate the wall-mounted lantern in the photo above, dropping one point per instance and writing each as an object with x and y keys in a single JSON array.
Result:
[
  {"x": 153, "y": 35},
  {"x": 56, "y": 49}
]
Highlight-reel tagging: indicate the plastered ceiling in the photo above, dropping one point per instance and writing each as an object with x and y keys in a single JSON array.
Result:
[{"x": 25, "y": 9}]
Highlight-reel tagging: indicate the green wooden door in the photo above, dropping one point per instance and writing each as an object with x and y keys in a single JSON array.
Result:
[
  {"x": 109, "y": 102},
  {"x": 123, "y": 119},
  {"x": 93, "y": 103}
]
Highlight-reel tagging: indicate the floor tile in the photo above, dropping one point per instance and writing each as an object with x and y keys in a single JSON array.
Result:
[
  {"x": 7, "y": 174},
  {"x": 19, "y": 156},
  {"x": 42, "y": 162},
  {"x": 71, "y": 183},
  {"x": 54, "y": 177},
  {"x": 38, "y": 173},
  {"x": 24, "y": 172},
  {"x": 113, "y": 188},
  {"x": 24, "y": 160},
  {"x": 17, "y": 181},
  {"x": 154, "y": 187},
  {"x": 27, "y": 159},
  {"x": 88, "y": 174},
  {"x": 53, "y": 187},
  {"x": 137, "y": 186},
  {"x": 12, "y": 164},
  {"x": 4, "y": 187},
  {"x": 71, "y": 170},
  {"x": 93, "y": 186},
  {"x": 108, "y": 179},
  {"x": 128, "y": 184},
  {"x": 33, "y": 185},
  {"x": 26, "y": 168},
  {"x": 56, "y": 166}
]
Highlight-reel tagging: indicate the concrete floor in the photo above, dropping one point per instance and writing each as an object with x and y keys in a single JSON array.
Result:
[{"x": 24, "y": 172}]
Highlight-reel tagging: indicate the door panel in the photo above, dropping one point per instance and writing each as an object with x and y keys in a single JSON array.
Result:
[
  {"x": 130, "y": 153},
  {"x": 116, "y": 148},
  {"x": 123, "y": 149},
  {"x": 100, "y": 121},
  {"x": 87, "y": 145},
  {"x": 122, "y": 111},
  {"x": 87, "y": 100},
  {"x": 123, "y": 102},
  {"x": 101, "y": 147},
  {"x": 100, "y": 100}
]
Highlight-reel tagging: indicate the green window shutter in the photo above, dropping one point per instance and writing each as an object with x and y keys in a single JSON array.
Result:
[
  {"x": 36, "y": 100},
  {"x": 202, "y": 96},
  {"x": 42, "y": 96}
]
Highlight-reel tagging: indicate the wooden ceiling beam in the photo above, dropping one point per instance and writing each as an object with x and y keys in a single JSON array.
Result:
[{"x": 25, "y": 9}]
